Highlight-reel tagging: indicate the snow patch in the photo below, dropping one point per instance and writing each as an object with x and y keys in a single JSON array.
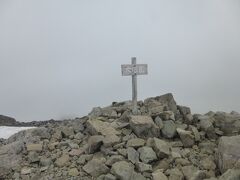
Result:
[{"x": 7, "y": 131}]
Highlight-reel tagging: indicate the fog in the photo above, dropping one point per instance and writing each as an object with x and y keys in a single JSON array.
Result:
[{"x": 60, "y": 58}]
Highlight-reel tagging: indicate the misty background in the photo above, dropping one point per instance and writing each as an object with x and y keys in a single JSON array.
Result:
[{"x": 60, "y": 58}]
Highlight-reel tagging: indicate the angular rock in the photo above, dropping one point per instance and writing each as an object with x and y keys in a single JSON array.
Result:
[
  {"x": 161, "y": 148},
  {"x": 94, "y": 143},
  {"x": 109, "y": 141},
  {"x": 143, "y": 126},
  {"x": 60, "y": 162},
  {"x": 169, "y": 129},
  {"x": 228, "y": 152},
  {"x": 231, "y": 174},
  {"x": 96, "y": 167},
  {"x": 73, "y": 172},
  {"x": 113, "y": 159},
  {"x": 158, "y": 175},
  {"x": 186, "y": 137},
  {"x": 34, "y": 147},
  {"x": 97, "y": 127},
  {"x": 142, "y": 167},
  {"x": 123, "y": 170},
  {"x": 147, "y": 155},
  {"x": 136, "y": 142},
  {"x": 133, "y": 155}
]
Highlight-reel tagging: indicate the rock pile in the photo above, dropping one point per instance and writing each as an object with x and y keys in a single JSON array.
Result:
[{"x": 163, "y": 142}]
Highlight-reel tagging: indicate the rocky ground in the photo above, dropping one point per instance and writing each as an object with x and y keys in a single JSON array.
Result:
[{"x": 163, "y": 142}]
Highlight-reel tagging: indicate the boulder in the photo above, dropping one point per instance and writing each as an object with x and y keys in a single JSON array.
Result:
[
  {"x": 228, "y": 152},
  {"x": 143, "y": 126}
]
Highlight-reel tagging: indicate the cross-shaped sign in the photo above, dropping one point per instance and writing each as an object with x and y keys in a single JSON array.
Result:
[{"x": 133, "y": 70}]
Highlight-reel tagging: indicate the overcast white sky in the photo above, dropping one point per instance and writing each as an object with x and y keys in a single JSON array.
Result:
[{"x": 59, "y": 58}]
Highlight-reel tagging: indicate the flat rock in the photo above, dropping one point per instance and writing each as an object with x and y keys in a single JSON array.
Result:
[{"x": 136, "y": 142}]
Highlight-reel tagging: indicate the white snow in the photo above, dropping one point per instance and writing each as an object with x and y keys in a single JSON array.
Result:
[{"x": 7, "y": 131}]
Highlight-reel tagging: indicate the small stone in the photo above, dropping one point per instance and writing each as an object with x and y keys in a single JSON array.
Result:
[
  {"x": 45, "y": 161},
  {"x": 147, "y": 155}
]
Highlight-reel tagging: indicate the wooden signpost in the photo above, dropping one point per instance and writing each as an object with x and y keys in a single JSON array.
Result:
[{"x": 133, "y": 70}]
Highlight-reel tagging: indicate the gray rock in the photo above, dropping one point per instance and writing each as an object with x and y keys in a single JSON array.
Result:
[
  {"x": 136, "y": 142},
  {"x": 147, "y": 155},
  {"x": 186, "y": 137},
  {"x": 169, "y": 129},
  {"x": 143, "y": 126},
  {"x": 142, "y": 167},
  {"x": 98, "y": 127},
  {"x": 110, "y": 177},
  {"x": 7, "y": 121},
  {"x": 133, "y": 155},
  {"x": 10, "y": 156},
  {"x": 231, "y": 174},
  {"x": 123, "y": 170},
  {"x": 62, "y": 161},
  {"x": 228, "y": 152},
  {"x": 159, "y": 122},
  {"x": 158, "y": 175},
  {"x": 228, "y": 123},
  {"x": 96, "y": 167},
  {"x": 161, "y": 148},
  {"x": 113, "y": 159},
  {"x": 207, "y": 126},
  {"x": 175, "y": 174},
  {"x": 33, "y": 157},
  {"x": 94, "y": 143}
]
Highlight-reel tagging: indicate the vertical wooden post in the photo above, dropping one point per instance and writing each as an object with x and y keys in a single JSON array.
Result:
[{"x": 134, "y": 86}]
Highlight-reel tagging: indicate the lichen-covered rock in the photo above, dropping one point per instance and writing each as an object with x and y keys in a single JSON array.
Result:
[
  {"x": 96, "y": 167},
  {"x": 161, "y": 148},
  {"x": 186, "y": 137}
]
